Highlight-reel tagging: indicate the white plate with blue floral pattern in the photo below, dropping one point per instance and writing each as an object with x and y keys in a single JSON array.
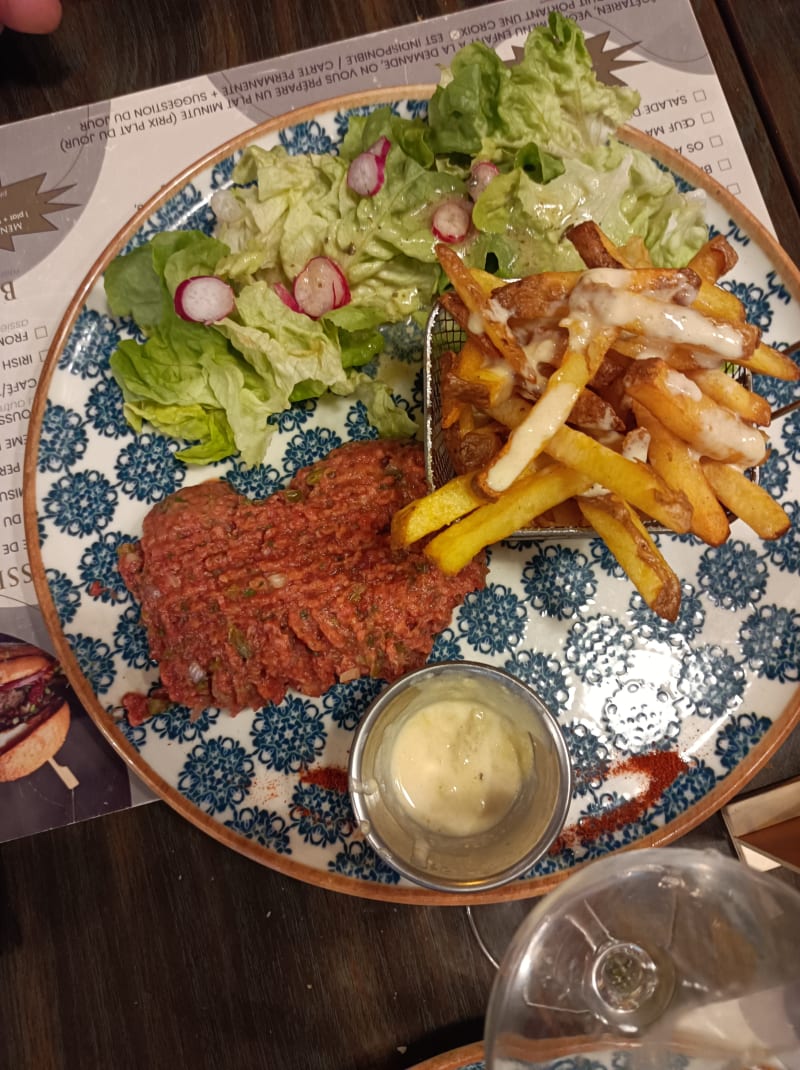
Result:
[{"x": 719, "y": 687}]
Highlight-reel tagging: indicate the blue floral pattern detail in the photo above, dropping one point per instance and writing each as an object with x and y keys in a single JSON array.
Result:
[
  {"x": 178, "y": 724},
  {"x": 346, "y": 703},
  {"x": 404, "y": 341},
  {"x": 732, "y": 575},
  {"x": 359, "y": 861},
  {"x": 713, "y": 680},
  {"x": 357, "y": 422},
  {"x": 82, "y": 504},
  {"x": 544, "y": 674},
  {"x": 784, "y": 553},
  {"x": 130, "y": 640},
  {"x": 63, "y": 439},
  {"x": 66, "y": 594},
  {"x": 321, "y": 815},
  {"x": 146, "y": 469},
  {"x": 590, "y": 756},
  {"x": 216, "y": 775},
  {"x": 305, "y": 138},
  {"x": 290, "y": 736},
  {"x": 492, "y": 620},
  {"x": 94, "y": 660},
  {"x": 446, "y": 647},
  {"x": 222, "y": 172},
  {"x": 641, "y": 716},
  {"x": 187, "y": 210},
  {"x": 265, "y": 827},
  {"x": 559, "y": 581},
  {"x": 92, "y": 341},
  {"x": 104, "y": 410},
  {"x": 687, "y": 788},
  {"x": 99, "y": 568},
  {"x": 598, "y": 648},
  {"x": 770, "y": 640},
  {"x": 739, "y": 737},
  {"x": 308, "y": 447},
  {"x": 691, "y": 618},
  {"x": 256, "y": 483}
]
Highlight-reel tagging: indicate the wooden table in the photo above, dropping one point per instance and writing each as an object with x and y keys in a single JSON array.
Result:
[{"x": 135, "y": 940}]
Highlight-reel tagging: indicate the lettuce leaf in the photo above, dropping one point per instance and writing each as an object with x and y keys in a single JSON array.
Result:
[
  {"x": 216, "y": 387},
  {"x": 551, "y": 99}
]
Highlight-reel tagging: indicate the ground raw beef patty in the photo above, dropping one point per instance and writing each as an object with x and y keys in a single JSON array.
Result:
[{"x": 243, "y": 600}]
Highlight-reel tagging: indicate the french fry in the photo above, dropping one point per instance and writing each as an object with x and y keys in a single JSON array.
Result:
[
  {"x": 714, "y": 259},
  {"x": 487, "y": 282},
  {"x": 682, "y": 407},
  {"x": 726, "y": 391},
  {"x": 767, "y": 361},
  {"x": 486, "y": 382},
  {"x": 530, "y": 496},
  {"x": 595, "y": 248},
  {"x": 529, "y": 438},
  {"x": 542, "y": 298},
  {"x": 478, "y": 302},
  {"x": 637, "y": 483},
  {"x": 628, "y": 540},
  {"x": 436, "y": 510},
  {"x": 678, "y": 466},
  {"x": 747, "y": 500},
  {"x": 473, "y": 441},
  {"x": 719, "y": 304}
]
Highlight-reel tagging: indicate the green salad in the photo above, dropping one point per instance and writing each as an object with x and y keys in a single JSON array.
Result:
[{"x": 312, "y": 254}]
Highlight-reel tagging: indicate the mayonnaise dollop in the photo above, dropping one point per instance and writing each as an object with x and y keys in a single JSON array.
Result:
[{"x": 456, "y": 766}]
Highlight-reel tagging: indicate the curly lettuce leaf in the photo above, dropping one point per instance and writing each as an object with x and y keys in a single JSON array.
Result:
[{"x": 551, "y": 99}]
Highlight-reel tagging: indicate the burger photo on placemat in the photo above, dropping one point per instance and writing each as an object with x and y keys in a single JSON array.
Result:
[{"x": 34, "y": 709}]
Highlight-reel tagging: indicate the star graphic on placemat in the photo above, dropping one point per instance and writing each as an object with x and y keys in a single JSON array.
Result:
[
  {"x": 605, "y": 61},
  {"x": 24, "y": 207}
]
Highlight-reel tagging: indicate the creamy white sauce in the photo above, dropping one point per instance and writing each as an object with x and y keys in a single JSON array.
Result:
[
  {"x": 636, "y": 445},
  {"x": 595, "y": 299},
  {"x": 528, "y": 439},
  {"x": 727, "y": 438},
  {"x": 678, "y": 383},
  {"x": 475, "y": 323},
  {"x": 457, "y": 766},
  {"x": 723, "y": 436},
  {"x": 499, "y": 313},
  {"x": 541, "y": 351}
]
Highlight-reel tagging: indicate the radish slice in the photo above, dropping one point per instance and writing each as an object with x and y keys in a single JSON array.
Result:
[
  {"x": 366, "y": 173},
  {"x": 481, "y": 174},
  {"x": 381, "y": 147},
  {"x": 286, "y": 296},
  {"x": 204, "y": 299},
  {"x": 451, "y": 221},
  {"x": 320, "y": 287}
]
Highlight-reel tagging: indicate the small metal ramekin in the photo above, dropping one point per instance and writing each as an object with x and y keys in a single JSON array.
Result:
[{"x": 481, "y": 861}]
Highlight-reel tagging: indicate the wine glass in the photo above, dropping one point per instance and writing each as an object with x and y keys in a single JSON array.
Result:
[{"x": 657, "y": 958}]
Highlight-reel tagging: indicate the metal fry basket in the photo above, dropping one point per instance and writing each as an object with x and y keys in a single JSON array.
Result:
[{"x": 443, "y": 333}]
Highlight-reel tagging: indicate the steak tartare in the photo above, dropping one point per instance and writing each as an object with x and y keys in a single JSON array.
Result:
[{"x": 243, "y": 599}]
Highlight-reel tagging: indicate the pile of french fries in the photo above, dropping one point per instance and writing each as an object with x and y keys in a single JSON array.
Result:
[{"x": 600, "y": 399}]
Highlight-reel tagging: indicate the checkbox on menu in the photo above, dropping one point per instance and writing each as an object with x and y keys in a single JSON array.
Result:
[
  {"x": 707, "y": 116},
  {"x": 715, "y": 141},
  {"x": 735, "y": 188},
  {"x": 43, "y": 355},
  {"x": 699, "y": 95},
  {"x": 40, "y": 332},
  {"x": 724, "y": 165}
]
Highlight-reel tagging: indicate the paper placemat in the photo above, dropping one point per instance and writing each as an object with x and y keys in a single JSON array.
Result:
[{"x": 70, "y": 180}]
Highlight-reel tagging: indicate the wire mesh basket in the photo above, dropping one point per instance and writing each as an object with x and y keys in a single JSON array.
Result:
[{"x": 443, "y": 333}]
